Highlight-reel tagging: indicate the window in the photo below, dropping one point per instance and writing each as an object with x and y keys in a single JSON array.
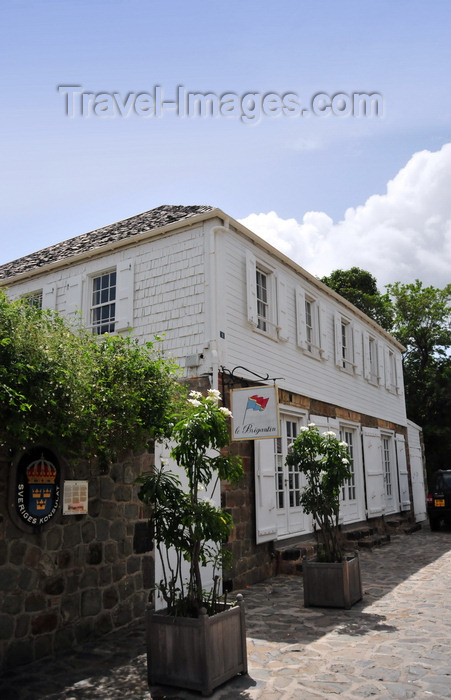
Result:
[
  {"x": 346, "y": 344},
  {"x": 310, "y": 323},
  {"x": 372, "y": 350},
  {"x": 392, "y": 379},
  {"x": 34, "y": 299},
  {"x": 103, "y": 305},
  {"x": 288, "y": 483},
  {"x": 348, "y": 491},
  {"x": 262, "y": 300},
  {"x": 387, "y": 466}
]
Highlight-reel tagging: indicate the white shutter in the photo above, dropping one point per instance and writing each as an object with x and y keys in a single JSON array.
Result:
[
  {"x": 124, "y": 296},
  {"x": 403, "y": 473},
  {"x": 366, "y": 356},
  {"x": 399, "y": 375},
  {"x": 321, "y": 423},
  {"x": 380, "y": 364},
  {"x": 338, "y": 343},
  {"x": 265, "y": 491},
  {"x": 49, "y": 296},
  {"x": 323, "y": 330},
  {"x": 372, "y": 453},
  {"x": 251, "y": 288},
  {"x": 357, "y": 343},
  {"x": 282, "y": 325},
  {"x": 300, "y": 318},
  {"x": 387, "y": 367},
  {"x": 334, "y": 424},
  {"x": 74, "y": 290}
]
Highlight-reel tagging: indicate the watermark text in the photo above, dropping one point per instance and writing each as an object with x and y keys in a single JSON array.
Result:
[{"x": 249, "y": 107}]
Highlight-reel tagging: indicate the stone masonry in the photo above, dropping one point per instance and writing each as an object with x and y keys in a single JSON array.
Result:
[{"x": 80, "y": 576}]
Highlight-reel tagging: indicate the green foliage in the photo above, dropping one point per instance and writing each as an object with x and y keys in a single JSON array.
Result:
[
  {"x": 360, "y": 288},
  {"x": 185, "y": 525},
  {"x": 422, "y": 323},
  {"x": 324, "y": 460},
  {"x": 86, "y": 395}
]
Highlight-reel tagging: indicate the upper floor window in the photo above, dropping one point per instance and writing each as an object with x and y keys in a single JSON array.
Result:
[
  {"x": 309, "y": 329},
  {"x": 103, "y": 304},
  {"x": 345, "y": 345},
  {"x": 348, "y": 345},
  {"x": 391, "y": 369},
  {"x": 263, "y": 310},
  {"x": 34, "y": 299},
  {"x": 266, "y": 298}
]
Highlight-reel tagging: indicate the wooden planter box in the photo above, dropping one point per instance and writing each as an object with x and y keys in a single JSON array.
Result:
[
  {"x": 337, "y": 585},
  {"x": 197, "y": 654}
]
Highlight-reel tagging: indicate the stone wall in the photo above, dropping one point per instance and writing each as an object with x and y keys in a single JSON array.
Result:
[{"x": 80, "y": 576}]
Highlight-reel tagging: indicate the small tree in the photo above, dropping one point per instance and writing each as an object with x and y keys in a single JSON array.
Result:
[
  {"x": 186, "y": 525},
  {"x": 89, "y": 396},
  {"x": 324, "y": 460}
]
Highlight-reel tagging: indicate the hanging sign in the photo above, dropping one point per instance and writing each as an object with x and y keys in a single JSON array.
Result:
[{"x": 255, "y": 413}]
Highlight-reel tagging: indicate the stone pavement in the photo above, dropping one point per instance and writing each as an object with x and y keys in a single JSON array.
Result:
[{"x": 395, "y": 643}]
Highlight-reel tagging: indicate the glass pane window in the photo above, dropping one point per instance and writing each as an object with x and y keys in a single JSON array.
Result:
[
  {"x": 294, "y": 475},
  {"x": 280, "y": 494},
  {"x": 348, "y": 491},
  {"x": 387, "y": 466},
  {"x": 262, "y": 300},
  {"x": 34, "y": 299},
  {"x": 103, "y": 307},
  {"x": 309, "y": 324}
]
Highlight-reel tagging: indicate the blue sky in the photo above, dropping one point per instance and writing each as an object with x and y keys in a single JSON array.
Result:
[{"x": 311, "y": 185}]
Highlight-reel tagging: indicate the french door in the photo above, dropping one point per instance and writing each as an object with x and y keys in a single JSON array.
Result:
[{"x": 288, "y": 481}]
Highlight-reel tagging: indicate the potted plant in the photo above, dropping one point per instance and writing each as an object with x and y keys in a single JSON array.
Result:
[
  {"x": 199, "y": 640},
  {"x": 332, "y": 579}
]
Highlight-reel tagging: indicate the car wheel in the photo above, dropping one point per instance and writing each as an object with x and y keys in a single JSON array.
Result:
[{"x": 434, "y": 523}]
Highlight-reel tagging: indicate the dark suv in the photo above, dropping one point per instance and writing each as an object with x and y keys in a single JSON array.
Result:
[{"x": 439, "y": 498}]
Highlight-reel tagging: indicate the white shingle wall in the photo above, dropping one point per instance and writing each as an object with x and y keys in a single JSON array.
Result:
[
  {"x": 303, "y": 374},
  {"x": 172, "y": 281}
]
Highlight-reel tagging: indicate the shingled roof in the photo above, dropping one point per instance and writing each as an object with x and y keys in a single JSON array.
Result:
[{"x": 149, "y": 220}]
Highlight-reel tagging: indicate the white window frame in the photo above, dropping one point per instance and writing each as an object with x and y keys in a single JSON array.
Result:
[
  {"x": 108, "y": 324},
  {"x": 272, "y": 323},
  {"x": 372, "y": 359},
  {"x": 310, "y": 331},
  {"x": 35, "y": 298},
  {"x": 388, "y": 464},
  {"x": 344, "y": 344}
]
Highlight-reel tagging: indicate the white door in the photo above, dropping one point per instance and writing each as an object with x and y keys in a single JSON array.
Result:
[
  {"x": 390, "y": 474},
  {"x": 288, "y": 482},
  {"x": 352, "y": 503}
]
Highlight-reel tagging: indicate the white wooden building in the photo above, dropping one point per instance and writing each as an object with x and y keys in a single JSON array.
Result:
[{"x": 222, "y": 298}]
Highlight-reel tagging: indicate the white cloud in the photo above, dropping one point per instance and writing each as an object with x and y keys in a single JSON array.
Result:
[{"x": 402, "y": 235}]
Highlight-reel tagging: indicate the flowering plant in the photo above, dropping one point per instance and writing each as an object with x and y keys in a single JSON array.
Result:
[
  {"x": 324, "y": 460},
  {"x": 185, "y": 524}
]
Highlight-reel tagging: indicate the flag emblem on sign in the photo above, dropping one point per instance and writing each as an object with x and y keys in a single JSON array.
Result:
[{"x": 257, "y": 403}]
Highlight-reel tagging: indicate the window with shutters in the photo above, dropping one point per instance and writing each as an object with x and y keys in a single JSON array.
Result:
[
  {"x": 348, "y": 491},
  {"x": 263, "y": 308},
  {"x": 386, "y": 457},
  {"x": 103, "y": 303},
  {"x": 34, "y": 299},
  {"x": 391, "y": 369},
  {"x": 345, "y": 346}
]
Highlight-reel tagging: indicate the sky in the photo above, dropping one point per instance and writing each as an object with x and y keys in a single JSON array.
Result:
[{"x": 88, "y": 137}]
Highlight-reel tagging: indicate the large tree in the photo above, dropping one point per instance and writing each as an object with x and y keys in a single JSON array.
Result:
[
  {"x": 422, "y": 323},
  {"x": 360, "y": 288}
]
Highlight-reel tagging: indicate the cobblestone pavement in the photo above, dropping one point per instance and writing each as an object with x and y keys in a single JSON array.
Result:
[{"x": 395, "y": 643}]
